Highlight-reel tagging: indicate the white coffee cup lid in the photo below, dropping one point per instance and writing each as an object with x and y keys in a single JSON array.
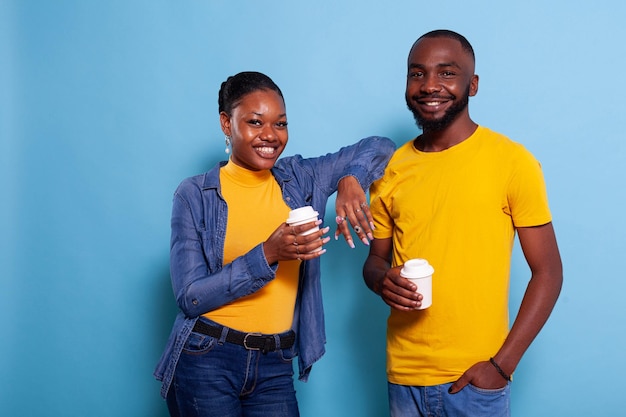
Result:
[
  {"x": 302, "y": 213},
  {"x": 416, "y": 268}
]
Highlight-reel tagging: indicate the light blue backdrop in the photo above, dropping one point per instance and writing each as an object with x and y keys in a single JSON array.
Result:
[{"x": 106, "y": 106}]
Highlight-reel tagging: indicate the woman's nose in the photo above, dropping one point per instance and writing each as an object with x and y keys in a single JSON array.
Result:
[{"x": 268, "y": 133}]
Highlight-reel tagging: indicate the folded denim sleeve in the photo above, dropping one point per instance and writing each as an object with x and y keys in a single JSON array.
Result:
[
  {"x": 368, "y": 158},
  {"x": 365, "y": 160},
  {"x": 197, "y": 290}
]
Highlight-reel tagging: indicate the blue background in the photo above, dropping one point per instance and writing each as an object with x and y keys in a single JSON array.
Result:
[{"x": 106, "y": 106}]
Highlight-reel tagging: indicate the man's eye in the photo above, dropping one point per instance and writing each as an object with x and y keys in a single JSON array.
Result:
[
  {"x": 415, "y": 74},
  {"x": 447, "y": 74}
]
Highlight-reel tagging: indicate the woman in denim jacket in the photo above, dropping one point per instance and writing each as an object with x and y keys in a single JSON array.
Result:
[{"x": 247, "y": 284}]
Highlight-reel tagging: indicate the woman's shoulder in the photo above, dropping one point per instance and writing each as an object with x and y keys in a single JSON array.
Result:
[{"x": 199, "y": 182}]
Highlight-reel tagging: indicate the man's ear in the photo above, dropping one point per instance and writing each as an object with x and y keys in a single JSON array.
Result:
[{"x": 473, "y": 85}]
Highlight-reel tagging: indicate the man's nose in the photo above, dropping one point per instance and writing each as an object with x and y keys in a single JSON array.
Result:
[{"x": 430, "y": 84}]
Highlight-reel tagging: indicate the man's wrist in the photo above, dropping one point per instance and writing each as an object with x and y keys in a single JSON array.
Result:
[{"x": 500, "y": 371}]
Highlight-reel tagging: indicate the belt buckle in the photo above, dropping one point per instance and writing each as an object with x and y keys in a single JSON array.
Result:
[{"x": 245, "y": 341}]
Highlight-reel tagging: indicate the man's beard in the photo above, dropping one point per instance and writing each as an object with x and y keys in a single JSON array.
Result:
[{"x": 446, "y": 119}]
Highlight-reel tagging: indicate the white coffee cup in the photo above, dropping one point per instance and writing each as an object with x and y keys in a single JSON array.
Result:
[
  {"x": 304, "y": 215},
  {"x": 420, "y": 272}
]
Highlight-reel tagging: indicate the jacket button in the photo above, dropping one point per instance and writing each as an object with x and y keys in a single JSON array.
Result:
[{"x": 194, "y": 302}]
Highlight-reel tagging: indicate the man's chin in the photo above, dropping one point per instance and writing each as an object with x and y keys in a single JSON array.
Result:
[{"x": 430, "y": 124}]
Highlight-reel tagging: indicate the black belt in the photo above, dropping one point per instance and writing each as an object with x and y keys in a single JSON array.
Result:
[{"x": 251, "y": 341}]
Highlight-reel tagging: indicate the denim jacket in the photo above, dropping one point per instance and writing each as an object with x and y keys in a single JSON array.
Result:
[{"x": 200, "y": 280}]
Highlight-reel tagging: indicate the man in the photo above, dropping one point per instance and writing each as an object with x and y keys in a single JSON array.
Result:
[{"x": 456, "y": 195}]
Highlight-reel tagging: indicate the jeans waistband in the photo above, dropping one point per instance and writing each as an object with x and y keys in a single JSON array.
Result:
[{"x": 251, "y": 341}]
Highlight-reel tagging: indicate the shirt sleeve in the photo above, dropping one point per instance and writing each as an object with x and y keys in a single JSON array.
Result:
[
  {"x": 197, "y": 290},
  {"x": 527, "y": 195},
  {"x": 383, "y": 221},
  {"x": 365, "y": 160}
]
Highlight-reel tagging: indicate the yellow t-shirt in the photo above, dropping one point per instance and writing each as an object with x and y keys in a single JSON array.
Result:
[
  {"x": 255, "y": 209},
  {"x": 458, "y": 209}
]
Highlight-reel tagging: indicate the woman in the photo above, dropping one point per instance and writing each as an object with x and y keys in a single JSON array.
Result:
[{"x": 247, "y": 284}]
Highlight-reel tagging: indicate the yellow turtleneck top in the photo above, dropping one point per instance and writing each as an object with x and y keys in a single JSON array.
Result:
[{"x": 255, "y": 209}]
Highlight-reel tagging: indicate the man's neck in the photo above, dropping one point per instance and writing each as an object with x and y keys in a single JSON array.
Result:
[{"x": 440, "y": 140}]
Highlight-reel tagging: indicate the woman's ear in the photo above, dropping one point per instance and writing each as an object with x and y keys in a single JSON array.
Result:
[{"x": 225, "y": 123}]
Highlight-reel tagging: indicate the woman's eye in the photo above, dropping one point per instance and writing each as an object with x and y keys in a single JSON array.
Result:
[
  {"x": 281, "y": 124},
  {"x": 254, "y": 122}
]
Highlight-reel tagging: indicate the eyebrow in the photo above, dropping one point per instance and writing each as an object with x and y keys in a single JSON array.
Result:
[
  {"x": 261, "y": 114},
  {"x": 440, "y": 65}
]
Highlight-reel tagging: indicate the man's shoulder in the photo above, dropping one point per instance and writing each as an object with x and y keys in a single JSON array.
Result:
[
  {"x": 495, "y": 138},
  {"x": 504, "y": 149},
  {"x": 488, "y": 133},
  {"x": 407, "y": 148}
]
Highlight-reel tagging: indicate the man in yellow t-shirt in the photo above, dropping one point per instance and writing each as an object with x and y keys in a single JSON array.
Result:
[{"x": 456, "y": 195}]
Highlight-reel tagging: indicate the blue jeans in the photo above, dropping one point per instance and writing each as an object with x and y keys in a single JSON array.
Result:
[
  {"x": 217, "y": 378},
  {"x": 435, "y": 401}
]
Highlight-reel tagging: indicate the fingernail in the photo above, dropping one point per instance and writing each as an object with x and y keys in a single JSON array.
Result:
[
  {"x": 326, "y": 229},
  {"x": 365, "y": 241},
  {"x": 350, "y": 243},
  {"x": 372, "y": 226},
  {"x": 370, "y": 236}
]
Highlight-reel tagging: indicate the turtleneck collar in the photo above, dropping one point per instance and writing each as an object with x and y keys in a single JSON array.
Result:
[{"x": 245, "y": 177}]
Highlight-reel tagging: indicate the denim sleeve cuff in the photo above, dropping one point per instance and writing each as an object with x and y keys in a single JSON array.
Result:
[
  {"x": 359, "y": 173},
  {"x": 257, "y": 265}
]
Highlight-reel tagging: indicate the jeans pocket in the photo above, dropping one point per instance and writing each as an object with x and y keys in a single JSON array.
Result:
[
  {"x": 486, "y": 391},
  {"x": 198, "y": 344},
  {"x": 481, "y": 402}
]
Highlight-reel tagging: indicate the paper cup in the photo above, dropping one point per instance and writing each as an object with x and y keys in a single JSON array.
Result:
[
  {"x": 420, "y": 272},
  {"x": 304, "y": 215}
]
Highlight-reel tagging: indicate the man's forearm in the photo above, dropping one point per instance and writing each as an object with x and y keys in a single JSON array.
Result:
[
  {"x": 374, "y": 271},
  {"x": 537, "y": 304}
]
